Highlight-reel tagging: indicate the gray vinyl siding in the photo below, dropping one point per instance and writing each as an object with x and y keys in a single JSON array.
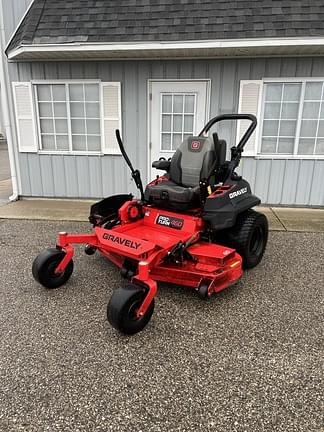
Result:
[
  {"x": 13, "y": 11},
  {"x": 288, "y": 182}
]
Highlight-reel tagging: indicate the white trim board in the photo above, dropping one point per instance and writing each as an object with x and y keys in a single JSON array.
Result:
[{"x": 166, "y": 45}]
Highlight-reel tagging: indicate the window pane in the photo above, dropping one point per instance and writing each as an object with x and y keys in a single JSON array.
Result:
[
  {"x": 287, "y": 128},
  {"x": 61, "y": 126},
  {"x": 79, "y": 142},
  {"x": 320, "y": 131},
  {"x": 48, "y": 142},
  {"x": 270, "y": 127},
  {"x": 60, "y": 109},
  {"x": 92, "y": 110},
  {"x": 93, "y": 127},
  {"x": 188, "y": 123},
  {"x": 62, "y": 142},
  {"x": 291, "y": 92},
  {"x": 166, "y": 123},
  {"x": 91, "y": 92},
  {"x": 44, "y": 92},
  {"x": 166, "y": 142},
  {"x": 269, "y": 145},
  {"x": 166, "y": 103},
  {"x": 45, "y": 109},
  {"x": 77, "y": 109},
  {"x": 76, "y": 92},
  {"x": 308, "y": 128},
  {"x": 273, "y": 92},
  {"x": 177, "y": 123},
  {"x": 306, "y": 146},
  {"x": 189, "y": 104},
  {"x": 272, "y": 111},
  {"x": 177, "y": 140},
  {"x": 289, "y": 110},
  {"x": 93, "y": 143},
  {"x": 58, "y": 92},
  {"x": 47, "y": 126},
  {"x": 319, "y": 147},
  {"x": 177, "y": 104},
  {"x": 286, "y": 145},
  {"x": 313, "y": 91},
  {"x": 310, "y": 110},
  {"x": 78, "y": 126}
]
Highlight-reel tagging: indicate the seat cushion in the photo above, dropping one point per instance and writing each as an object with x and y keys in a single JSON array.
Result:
[{"x": 169, "y": 195}]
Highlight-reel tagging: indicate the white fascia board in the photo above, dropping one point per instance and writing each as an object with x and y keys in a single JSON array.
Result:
[{"x": 138, "y": 46}]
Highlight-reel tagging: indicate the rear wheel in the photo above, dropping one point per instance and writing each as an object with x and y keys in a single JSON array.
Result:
[
  {"x": 44, "y": 267},
  {"x": 122, "y": 308},
  {"x": 249, "y": 237}
]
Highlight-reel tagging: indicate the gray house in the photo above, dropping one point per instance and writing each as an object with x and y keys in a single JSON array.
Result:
[{"x": 75, "y": 70}]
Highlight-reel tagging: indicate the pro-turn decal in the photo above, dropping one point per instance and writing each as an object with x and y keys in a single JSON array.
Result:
[
  {"x": 122, "y": 241},
  {"x": 170, "y": 222},
  {"x": 238, "y": 193}
]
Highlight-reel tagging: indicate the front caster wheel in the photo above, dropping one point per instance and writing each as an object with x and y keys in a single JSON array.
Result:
[
  {"x": 44, "y": 267},
  {"x": 203, "y": 292},
  {"x": 122, "y": 307}
]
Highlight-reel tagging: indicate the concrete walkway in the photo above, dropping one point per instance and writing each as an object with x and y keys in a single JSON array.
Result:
[{"x": 280, "y": 219}]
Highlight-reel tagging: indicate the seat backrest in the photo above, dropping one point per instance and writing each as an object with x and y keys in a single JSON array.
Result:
[{"x": 192, "y": 161}]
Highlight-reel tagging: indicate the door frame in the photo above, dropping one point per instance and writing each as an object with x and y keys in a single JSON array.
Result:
[{"x": 149, "y": 117}]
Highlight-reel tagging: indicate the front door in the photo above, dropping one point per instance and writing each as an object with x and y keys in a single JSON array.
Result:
[{"x": 178, "y": 109}]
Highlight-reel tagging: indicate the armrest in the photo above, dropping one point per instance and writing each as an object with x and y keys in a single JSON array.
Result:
[{"x": 161, "y": 165}]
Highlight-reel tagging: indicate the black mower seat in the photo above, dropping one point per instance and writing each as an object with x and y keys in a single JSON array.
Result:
[{"x": 192, "y": 161}]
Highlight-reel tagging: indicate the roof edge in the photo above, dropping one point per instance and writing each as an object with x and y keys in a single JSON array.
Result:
[{"x": 166, "y": 45}]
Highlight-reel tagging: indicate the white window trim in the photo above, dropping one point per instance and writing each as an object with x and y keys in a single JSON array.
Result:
[
  {"x": 259, "y": 155},
  {"x": 40, "y": 151}
]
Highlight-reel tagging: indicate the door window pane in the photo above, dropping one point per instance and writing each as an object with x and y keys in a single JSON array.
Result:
[
  {"x": 93, "y": 127},
  {"x": 291, "y": 92},
  {"x": 320, "y": 147},
  {"x": 272, "y": 111},
  {"x": 78, "y": 126},
  {"x": 60, "y": 109},
  {"x": 308, "y": 128},
  {"x": 178, "y": 118},
  {"x": 77, "y": 109},
  {"x": 289, "y": 111},
  {"x": 310, "y": 110},
  {"x": 270, "y": 127},
  {"x": 287, "y": 128},
  {"x": 91, "y": 92},
  {"x": 92, "y": 110},
  {"x": 47, "y": 126}
]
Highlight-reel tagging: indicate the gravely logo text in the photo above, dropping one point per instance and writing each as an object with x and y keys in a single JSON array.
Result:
[
  {"x": 122, "y": 241},
  {"x": 237, "y": 193}
]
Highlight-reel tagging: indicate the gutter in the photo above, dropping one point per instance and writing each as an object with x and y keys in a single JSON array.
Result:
[
  {"x": 220, "y": 44},
  {"x": 5, "y": 104}
]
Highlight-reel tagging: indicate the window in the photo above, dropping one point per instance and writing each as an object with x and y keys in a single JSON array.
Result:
[
  {"x": 293, "y": 118},
  {"x": 68, "y": 117},
  {"x": 177, "y": 119}
]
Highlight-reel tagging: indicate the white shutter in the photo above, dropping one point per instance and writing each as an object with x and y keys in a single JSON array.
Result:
[
  {"x": 249, "y": 103},
  {"x": 111, "y": 116},
  {"x": 25, "y": 117}
]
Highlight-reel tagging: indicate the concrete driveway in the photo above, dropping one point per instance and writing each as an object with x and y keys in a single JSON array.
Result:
[{"x": 247, "y": 360}]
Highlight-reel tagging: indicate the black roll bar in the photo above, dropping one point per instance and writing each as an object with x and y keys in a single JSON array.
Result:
[{"x": 222, "y": 117}]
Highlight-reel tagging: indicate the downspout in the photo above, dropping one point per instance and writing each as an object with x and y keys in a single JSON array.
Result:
[{"x": 4, "y": 82}]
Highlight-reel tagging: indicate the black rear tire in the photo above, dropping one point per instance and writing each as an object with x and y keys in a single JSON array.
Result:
[
  {"x": 249, "y": 237},
  {"x": 121, "y": 310},
  {"x": 44, "y": 267}
]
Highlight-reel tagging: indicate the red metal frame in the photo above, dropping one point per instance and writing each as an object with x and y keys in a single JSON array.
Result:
[{"x": 148, "y": 241}]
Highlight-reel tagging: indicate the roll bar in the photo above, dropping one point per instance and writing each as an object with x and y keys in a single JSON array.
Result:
[
  {"x": 222, "y": 117},
  {"x": 236, "y": 151}
]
